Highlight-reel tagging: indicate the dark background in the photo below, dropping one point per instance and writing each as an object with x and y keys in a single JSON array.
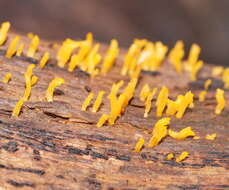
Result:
[{"x": 205, "y": 22}]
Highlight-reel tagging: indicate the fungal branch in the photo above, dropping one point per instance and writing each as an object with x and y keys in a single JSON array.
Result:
[{"x": 52, "y": 85}]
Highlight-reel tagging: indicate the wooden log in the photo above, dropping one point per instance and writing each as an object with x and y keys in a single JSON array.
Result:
[{"x": 56, "y": 146}]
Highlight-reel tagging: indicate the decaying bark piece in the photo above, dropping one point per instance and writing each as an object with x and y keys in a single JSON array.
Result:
[{"x": 56, "y": 146}]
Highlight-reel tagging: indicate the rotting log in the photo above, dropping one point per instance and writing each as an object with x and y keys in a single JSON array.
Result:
[{"x": 56, "y": 146}]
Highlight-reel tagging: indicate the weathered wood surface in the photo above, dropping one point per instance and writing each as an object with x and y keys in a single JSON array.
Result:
[{"x": 56, "y": 146}]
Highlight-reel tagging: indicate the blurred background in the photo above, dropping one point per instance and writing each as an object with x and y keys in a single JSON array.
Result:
[{"x": 205, "y": 22}]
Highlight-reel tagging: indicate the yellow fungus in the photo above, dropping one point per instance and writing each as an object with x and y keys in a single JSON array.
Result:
[
  {"x": 92, "y": 59},
  {"x": 89, "y": 37},
  {"x": 77, "y": 60},
  {"x": 65, "y": 51},
  {"x": 195, "y": 69},
  {"x": 95, "y": 72},
  {"x": 12, "y": 47},
  {"x": 34, "y": 80},
  {"x": 73, "y": 62},
  {"x": 136, "y": 72},
  {"x": 87, "y": 101},
  {"x": 30, "y": 35},
  {"x": 132, "y": 66},
  {"x": 116, "y": 108},
  {"x": 176, "y": 55},
  {"x": 181, "y": 106},
  {"x": 161, "y": 50},
  {"x": 202, "y": 95},
  {"x": 52, "y": 85},
  {"x": 211, "y": 136},
  {"x": 29, "y": 72},
  {"x": 196, "y": 137},
  {"x": 33, "y": 46},
  {"x": 194, "y": 54},
  {"x": 217, "y": 71},
  {"x": 110, "y": 56},
  {"x": 154, "y": 56},
  {"x": 92, "y": 67},
  {"x": 158, "y": 57},
  {"x": 129, "y": 91},
  {"x": 182, "y": 134},
  {"x": 7, "y": 78},
  {"x": 74, "y": 43},
  {"x": 225, "y": 77},
  {"x": 146, "y": 56},
  {"x": 28, "y": 77},
  {"x": 170, "y": 156},
  {"x": 129, "y": 58},
  {"x": 20, "y": 49},
  {"x": 182, "y": 156},
  {"x": 118, "y": 104},
  {"x": 55, "y": 45},
  {"x": 183, "y": 103},
  {"x": 17, "y": 108},
  {"x": 3, "y": 32},
  {"x": 179, "y": 99},
  {"x": 162, "y": 100},
  {"x": 139, "y": 145},
  {"x": 44, "y": 60},
  {"x": 171, "y": 107},
  {"x": 207, "y": 84},
  {"x": 144, "y": 92},
  {"x": 220, "y": 101},
  {"x": 98, "y": 101},
  {"x": 159, "y": 131},
  {"x": 191, "y": 105},
  {"x": 102, "y": 120},
  {"x": 148, "y": 101},
  {"x": 115, "y": 88},
  {"x": 27, "y": 92}
]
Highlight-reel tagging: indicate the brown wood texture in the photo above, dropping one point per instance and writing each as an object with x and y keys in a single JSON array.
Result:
[{"x": 56, "y": 146}]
